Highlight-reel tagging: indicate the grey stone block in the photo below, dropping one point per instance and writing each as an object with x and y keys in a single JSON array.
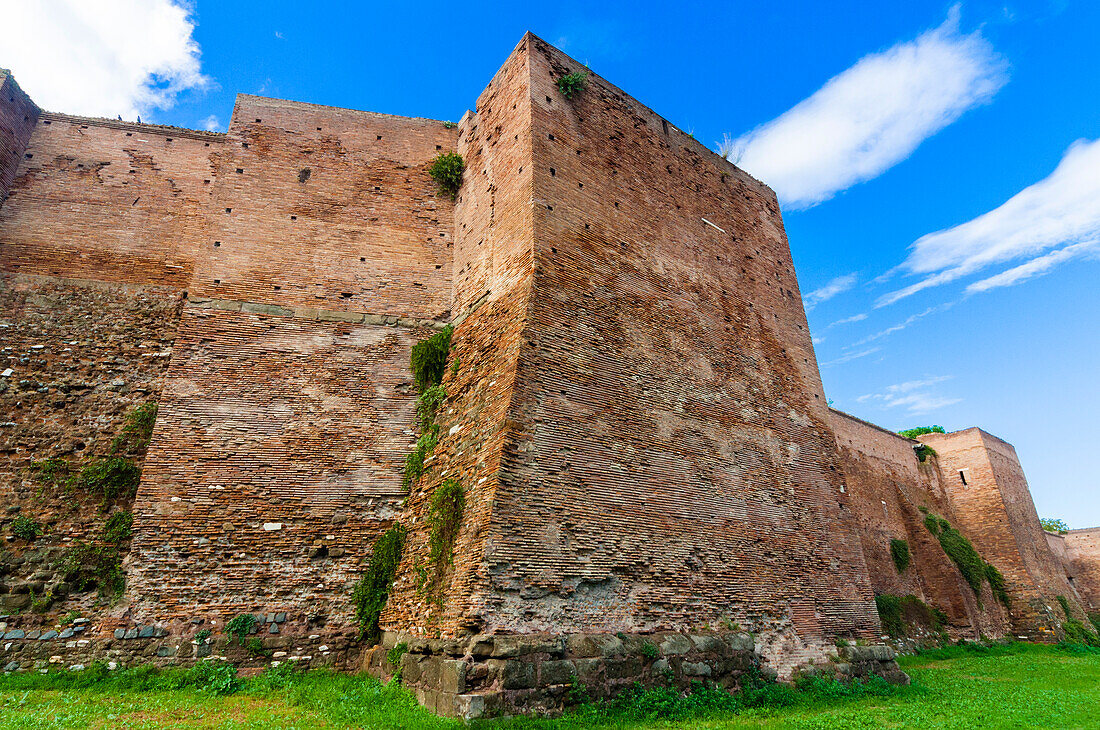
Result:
[
  {"x": 131, "y": 633},
  {"x": 47, "y": 636},
  {"x": 452, "y": 676},
  {"x": 556, "y": 671},
  {"x": 517, "y": 674},
  {"x": 709, "y": 644},
  {"x": 675, "y": 644},
  {"x": 146, "y": 632},
  {"x": 15, "y": 634},
  {"x": 696, "y": 669},
  {"x": 66, "y": 633},
  {"x": 280, "y": 617}
]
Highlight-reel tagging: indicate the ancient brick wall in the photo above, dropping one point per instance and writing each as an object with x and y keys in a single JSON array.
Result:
[
  {"x": 986, "y": 485},
  {"x": 110, "y": 201},
  {"x": 887, "y": 486},
  {"x": 266, "y": 497},
  {"x": 1083, "y": 552},
  {"x": 330, "y": 208},
  {"x": 77, "y": 357},
  {"x": 18, "y": 115}
]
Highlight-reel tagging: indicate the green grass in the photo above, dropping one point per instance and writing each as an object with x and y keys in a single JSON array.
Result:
[{"x": 1019, "y": 686}]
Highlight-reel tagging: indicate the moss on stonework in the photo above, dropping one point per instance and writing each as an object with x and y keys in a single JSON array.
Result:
[
  {"x": 444, "y": 517},
  {"x": 427, "y": 405},
  {"x": 372, "y": 590},
  {"x": 138, "y": 429},
  {"x": 414, "y": 462},
  {"x": 899, "y": 613}
]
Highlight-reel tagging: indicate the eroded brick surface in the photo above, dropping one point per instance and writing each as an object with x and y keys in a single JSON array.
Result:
[{"x": 1083, "y": 551}]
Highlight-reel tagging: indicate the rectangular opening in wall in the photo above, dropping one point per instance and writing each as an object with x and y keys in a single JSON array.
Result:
[{"x": 963, "y": 476}]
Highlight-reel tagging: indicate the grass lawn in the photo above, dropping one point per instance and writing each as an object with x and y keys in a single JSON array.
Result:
[{"x": 1019, "y": 686}]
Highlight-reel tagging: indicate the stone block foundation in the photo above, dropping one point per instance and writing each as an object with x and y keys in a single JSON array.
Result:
[{"x": 544, "y": 674}]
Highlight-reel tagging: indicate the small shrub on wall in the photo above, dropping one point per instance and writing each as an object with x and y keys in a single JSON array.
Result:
[
  {"x": 429, "y": 359},
  {"x": 572, "y": 84},
  {"x": 109, "y": 479},
  {"x": 912, "y": 433},
  {"x": 446, "y": 169}
]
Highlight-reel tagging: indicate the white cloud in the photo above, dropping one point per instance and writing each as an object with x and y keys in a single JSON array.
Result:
[
  {"x": 1060, "y": 212},
  {"x": 211, "y": 123},
  {"x": 873, "y": 115},
  {"x": 849, "y": 357},
  {"x": 902, "y": 325},
  {"x": 837, "y": 286},
  {"x": 912, "y": 395},
  {"x": 817, "y": 340},
  {"x": 101, "y": 57},
  {"x": 849, "y": 320}
]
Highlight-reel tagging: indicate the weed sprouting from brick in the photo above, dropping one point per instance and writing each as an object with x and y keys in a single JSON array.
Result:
[
  {"x": 372, "y": 590},
  {"x": 899, "y": 551},
  {"x": 572, "y": 84},
  {"x": 446, "y": 169},
  {"x": 427, "y": 405}
]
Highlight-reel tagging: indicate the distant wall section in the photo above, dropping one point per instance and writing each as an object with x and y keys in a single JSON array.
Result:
[
  {"x": 1083, "y": 552},
  {"x": 18, "y": 115}
]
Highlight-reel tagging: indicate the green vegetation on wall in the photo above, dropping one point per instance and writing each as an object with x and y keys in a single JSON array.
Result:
[
  {"x": 239, "y": 627},
  {"x": 108, "y": 479},
  {"x": 572, "y": 84},
  {"x": 444, "y": 517},
  {"x": 912, "y": 433},
  {"x": 446, "y": 169},
  {"x": 414, "y": 462},
  {"x": 427, "y": 405},
  {"x": 961, "y": 551},
  {"x": 899, "y": 551},
  {"x": 25, "y": 528},
  {"x": 898, "y": 613},
  {"x": 138, "y": 429},
  {"x": 1052, "y": 525},
  {"x": 429, "y": 359},
  {"x": 371, "y": 592}
]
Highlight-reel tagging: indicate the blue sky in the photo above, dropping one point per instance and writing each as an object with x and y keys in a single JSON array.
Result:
[{"x": 938, "y": 164}]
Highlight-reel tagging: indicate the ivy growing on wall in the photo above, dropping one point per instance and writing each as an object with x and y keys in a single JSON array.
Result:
[
  {"x": 961, "y": 551},
  {"x": 897, "y": 613},
  {"x": 899, "y": 551},
  {"x": 372, "y": 590},
  {"x": 429, "y": 359}
]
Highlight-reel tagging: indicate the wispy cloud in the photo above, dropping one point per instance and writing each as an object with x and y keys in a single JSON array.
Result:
[
  {"x": 903, "y": 324},
  {"x": 102, "y": 57},
  {"x": 849, "y": 357},
  {"x": 873, "y": 115},
  {"x": 1060, "y": 212},
  {"x": 913, "y": 395},
  {"x": 211, "y": 123},
  {"x": 849, "y": 320},
  {"x": 837, "y": 286}
]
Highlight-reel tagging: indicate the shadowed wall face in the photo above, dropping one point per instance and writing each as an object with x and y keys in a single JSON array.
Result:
[
  {"x": 986, "y": 485},
  {"x": 18, "y": 115},
  {"x": 1083, "y": 551},
  {"x": 887, "y": 488}
]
